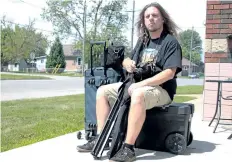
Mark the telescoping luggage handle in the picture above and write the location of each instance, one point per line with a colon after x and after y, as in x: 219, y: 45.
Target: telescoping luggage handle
x: 92, y: 43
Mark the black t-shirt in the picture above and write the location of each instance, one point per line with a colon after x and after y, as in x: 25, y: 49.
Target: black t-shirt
x: 166, y: 53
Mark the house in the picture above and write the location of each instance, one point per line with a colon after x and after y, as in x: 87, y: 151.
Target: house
x: 21, y: 65
x: 218, y: 62
x: 41, y: 63
x: 73, y: 58
x: 185, y: 67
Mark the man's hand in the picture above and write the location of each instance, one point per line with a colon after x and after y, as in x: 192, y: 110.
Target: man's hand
x: 129, y: 65
x: 133, y: 87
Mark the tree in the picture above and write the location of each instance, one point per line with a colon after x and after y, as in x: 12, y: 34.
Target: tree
x: 195, y: 55
x: 105, y: 19
x: 6, y: 42
x: 18, y: 42
x: 185, y: 41
x: 56, y: 57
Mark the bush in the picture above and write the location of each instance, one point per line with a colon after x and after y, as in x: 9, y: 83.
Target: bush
x: 56, y: 57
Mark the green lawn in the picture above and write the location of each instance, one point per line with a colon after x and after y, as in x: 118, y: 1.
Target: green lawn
x: 21, y: 77
x: 192, y: 89
x: 70, y: 74
x: 181, y: 99
x: 31, y: 120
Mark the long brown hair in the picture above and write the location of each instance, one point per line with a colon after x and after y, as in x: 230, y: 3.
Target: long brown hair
x: 169, y: 25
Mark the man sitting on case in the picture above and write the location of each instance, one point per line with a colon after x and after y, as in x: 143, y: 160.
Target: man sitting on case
x: 158, y: 32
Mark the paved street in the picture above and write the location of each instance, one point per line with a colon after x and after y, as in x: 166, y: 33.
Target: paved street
x: 59, y: 86
x: 184, y: 82
x: 19, y: 89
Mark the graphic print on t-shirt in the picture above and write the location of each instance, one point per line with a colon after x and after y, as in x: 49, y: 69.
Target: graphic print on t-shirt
x: 149, y: 55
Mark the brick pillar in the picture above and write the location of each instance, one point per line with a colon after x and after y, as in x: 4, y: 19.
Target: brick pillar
x: 218, y: 27
x: 217, y: 62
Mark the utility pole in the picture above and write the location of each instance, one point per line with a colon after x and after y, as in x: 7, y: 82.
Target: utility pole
x: 133, y: 19
x: 84, y: 33
x: 190, y: 54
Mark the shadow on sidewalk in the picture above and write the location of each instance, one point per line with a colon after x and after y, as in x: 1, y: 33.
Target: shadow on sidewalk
x: 197, y: 147
x: 200, y: 147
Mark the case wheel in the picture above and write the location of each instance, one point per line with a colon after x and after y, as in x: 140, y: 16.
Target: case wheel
x: 79, y: 135
x: 190, y: 140
x: 175, y: 143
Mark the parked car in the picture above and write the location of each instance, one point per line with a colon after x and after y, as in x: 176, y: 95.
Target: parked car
x: 194, y: 75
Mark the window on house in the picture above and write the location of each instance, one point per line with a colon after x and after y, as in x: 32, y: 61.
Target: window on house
x: 79, y: 61
x: 42, y: 61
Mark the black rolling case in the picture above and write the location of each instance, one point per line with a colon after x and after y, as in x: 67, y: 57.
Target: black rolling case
x: 94, y: 78
x: 167, y: 128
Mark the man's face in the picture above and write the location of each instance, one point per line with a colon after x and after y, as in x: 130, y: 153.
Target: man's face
x: 153, y: 19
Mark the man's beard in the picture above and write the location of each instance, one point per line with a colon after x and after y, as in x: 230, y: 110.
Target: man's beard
x: 153, y: 29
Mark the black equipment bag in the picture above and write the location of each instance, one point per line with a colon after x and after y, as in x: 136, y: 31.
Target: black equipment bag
x: 94, y: 78
x: 114, y: 55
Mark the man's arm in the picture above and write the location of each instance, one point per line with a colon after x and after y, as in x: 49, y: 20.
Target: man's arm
x: 159, y: 78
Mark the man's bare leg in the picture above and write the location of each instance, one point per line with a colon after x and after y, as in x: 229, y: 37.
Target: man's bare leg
x: 102, y: 109
x: 102, y: 112
x: 136, y: 116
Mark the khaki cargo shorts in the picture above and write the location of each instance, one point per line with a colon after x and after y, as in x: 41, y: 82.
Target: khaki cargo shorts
x: 154, y: 96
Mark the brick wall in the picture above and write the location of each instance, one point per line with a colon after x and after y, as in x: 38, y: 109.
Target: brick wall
x: 217, y: 62
x: 218, y: 27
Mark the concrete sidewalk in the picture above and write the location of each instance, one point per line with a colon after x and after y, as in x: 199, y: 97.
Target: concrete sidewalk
x: 206, y: 146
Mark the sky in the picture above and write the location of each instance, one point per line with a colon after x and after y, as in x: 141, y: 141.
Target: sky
x: 186, y: 13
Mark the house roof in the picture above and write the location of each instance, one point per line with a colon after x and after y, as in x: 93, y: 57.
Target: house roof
x: 71, y: 50
x: 186, y: 62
